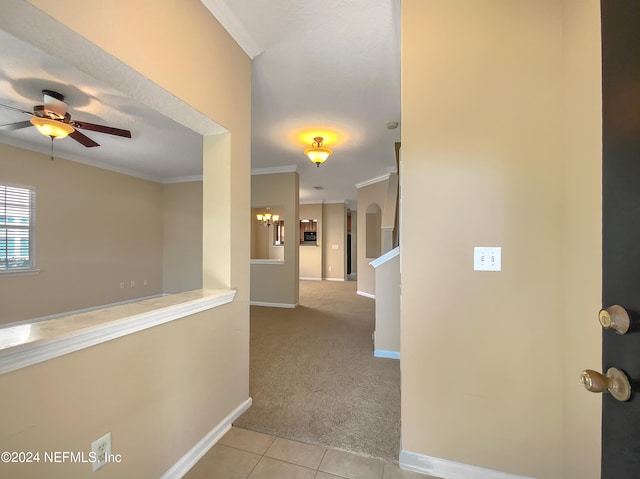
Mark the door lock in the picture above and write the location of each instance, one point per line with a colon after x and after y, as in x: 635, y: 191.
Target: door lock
x: 615, y: 382
x: 615, y: 318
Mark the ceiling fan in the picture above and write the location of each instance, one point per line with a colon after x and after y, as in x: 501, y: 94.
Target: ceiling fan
x: 52, y: 119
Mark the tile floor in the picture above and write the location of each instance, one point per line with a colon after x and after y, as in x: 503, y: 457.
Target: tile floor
x: 244, y: 454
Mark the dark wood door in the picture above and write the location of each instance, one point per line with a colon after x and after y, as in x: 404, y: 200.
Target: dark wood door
x: 621, y: 228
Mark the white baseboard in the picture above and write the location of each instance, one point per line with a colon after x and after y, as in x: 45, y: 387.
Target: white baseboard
x: 366, y: 295
x: 272, y: 305
x: 381, y: 353
x: 186, y: 462
x: 305, y: 278
x: 412, y: 461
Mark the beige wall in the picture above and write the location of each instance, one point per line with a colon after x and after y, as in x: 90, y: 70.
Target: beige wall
x: 387, y: 333
x: 182, y: 238
x: 277, y: 283
x: 334, y: 233
x: 374, y: 194
x: 157, y: 391
x: 492, y: 157
x: 311, y: 257
x: 95, y: 229
x: 582, y: 245
x: 161, y: 390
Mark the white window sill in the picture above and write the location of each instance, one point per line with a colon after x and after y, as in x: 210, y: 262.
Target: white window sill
x: 18, y: 272
x: 31, y: 343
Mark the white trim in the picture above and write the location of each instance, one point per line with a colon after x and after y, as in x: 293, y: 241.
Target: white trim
x: 310, y: 279
x: 182, y: 179
x: 366, y: 295
x: 272, y: 305
x: 381, y: 353
x: 233, y: 26
x: 380, y: 260
x: 13, y: 358
x: 333, y: 279
x: 19, y: 272
x: 412, y: 461
x: 373, y: 181
x: 193, y: 455
x: 273, y: 170
x: 267, y: 261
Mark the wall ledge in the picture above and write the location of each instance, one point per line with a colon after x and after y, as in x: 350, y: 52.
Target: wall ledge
x: 366, y: 295
x: 389, y: 255
x: 267, y: 261
x: 273, y: 305
x: 412, y: 461
x: 28, y: 344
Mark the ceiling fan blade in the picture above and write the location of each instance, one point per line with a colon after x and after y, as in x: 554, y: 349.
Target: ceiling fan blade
x: 102, y: 129
x: 17, y: 109
x: 83, y: 139
x: 15, y: 126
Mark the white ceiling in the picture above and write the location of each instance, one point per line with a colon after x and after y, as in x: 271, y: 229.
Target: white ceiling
x: 330, y: 66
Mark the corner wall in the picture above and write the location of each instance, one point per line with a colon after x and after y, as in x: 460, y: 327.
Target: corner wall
x: 334, y: 237
x: 278, y: 284
x: 375, y: 193
x: 182, y: 237
x: 492, y: 157
x: 161, y: 402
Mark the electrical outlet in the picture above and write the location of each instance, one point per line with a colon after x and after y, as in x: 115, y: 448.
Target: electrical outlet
x: 121, y: 284
x: 132, y: 284
x: 145, y: 282
x: 102, y: 450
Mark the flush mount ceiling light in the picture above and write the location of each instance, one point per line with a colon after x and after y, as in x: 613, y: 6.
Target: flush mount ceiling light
x: 51, y: 128
x: 317, y: 153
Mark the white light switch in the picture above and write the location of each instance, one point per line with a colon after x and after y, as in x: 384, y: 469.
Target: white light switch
x: 487, y: 258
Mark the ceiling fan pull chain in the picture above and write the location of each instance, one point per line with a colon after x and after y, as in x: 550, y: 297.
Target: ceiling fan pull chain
x: 51, y: 148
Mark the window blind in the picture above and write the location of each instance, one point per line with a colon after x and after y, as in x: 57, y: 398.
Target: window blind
x: 16, y: 227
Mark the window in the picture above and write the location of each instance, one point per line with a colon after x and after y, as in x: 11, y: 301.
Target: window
x: 16, y: 228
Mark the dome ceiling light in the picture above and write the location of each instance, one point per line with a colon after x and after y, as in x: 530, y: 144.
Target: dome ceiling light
x: 317, y: 153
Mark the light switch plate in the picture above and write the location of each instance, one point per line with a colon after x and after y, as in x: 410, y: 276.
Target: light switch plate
x: 487, y: 258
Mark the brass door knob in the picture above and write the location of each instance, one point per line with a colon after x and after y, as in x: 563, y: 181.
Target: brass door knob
x: 615, y: 318
x: 615, y: 382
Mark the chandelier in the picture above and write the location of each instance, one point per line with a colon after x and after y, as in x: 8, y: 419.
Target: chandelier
x: 267, y: 218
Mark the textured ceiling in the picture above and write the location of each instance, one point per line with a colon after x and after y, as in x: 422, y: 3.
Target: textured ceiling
x: 330, y: 66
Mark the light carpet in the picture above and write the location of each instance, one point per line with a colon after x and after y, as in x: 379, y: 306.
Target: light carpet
x: 313, y: 376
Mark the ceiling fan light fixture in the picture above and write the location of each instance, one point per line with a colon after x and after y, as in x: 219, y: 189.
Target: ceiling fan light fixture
x: 52, y: 128
x: 317, y: 153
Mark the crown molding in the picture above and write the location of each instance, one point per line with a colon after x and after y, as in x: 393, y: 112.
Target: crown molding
x: 373, y: 181
x: 182, y: 179
x: 274, y: 170
x: 221, y: 11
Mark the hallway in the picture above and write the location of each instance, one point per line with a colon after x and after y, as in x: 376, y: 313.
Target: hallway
x: 313, y: 376
x: 244, y: 454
